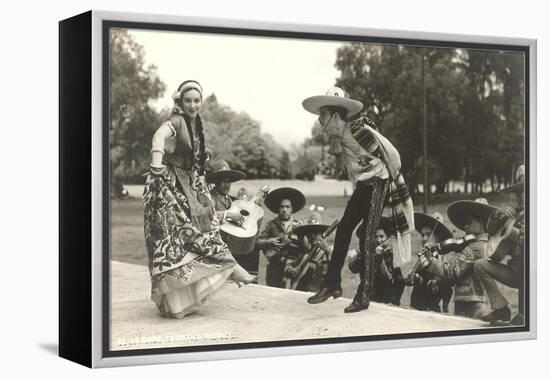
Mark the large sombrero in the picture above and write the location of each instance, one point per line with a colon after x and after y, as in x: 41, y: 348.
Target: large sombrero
x: 219, y: 170
x: 459, y: 210
x: 274, y: 198
x: 334, y: 97
x: 314, y: 225
x: 519, y: 181
x: 433, y: 222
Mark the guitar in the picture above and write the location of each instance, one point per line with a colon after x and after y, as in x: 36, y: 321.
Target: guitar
x: 241, y: 239
x: 503, y: 239
x: 303, y: 264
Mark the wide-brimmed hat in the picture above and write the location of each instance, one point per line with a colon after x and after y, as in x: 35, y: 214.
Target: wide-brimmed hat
x: 519, y: 181
x: 334, y: 97
x: 433, y: 222
x: 274, y: 198
x: 314, y: 225
x: 479, y: 209
x: 219, y: 170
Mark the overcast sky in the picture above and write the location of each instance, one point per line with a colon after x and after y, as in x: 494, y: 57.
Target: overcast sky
x: 266, y: 77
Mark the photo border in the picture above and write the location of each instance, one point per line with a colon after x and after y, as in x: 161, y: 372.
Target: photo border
x: 101, y: 24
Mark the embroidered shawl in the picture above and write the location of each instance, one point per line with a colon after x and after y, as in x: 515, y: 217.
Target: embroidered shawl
x: 399, y: 200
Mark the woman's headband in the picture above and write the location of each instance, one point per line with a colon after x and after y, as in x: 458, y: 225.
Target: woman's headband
x: 184, y: 87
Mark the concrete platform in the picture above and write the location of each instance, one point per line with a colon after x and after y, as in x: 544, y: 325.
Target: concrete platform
x: 251, y: 314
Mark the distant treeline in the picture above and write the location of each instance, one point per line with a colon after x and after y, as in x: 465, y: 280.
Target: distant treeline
x: 235, y: 137
x: 474, y: 101
x: 474, y: 104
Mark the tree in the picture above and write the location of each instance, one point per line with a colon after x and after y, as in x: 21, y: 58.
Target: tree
x: 317, y: 147
x: 305, y: 167
x: 132, y: 120
x: 474, y: 108
x: 238, y: 139
x: 285, y: 166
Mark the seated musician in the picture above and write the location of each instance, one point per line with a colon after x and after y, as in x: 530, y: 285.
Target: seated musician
x: 221, y: 176
x: 308, y: 272
x: 275, y: 239
x: 456, y: 268
x: 512, y: 273
x: 425, y: 296
x: 388, y: 280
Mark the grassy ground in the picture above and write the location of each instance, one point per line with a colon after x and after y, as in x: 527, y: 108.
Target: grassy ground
x: 128, y: 244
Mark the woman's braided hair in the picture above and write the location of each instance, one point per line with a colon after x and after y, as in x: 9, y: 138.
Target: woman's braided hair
x: 199, y: 126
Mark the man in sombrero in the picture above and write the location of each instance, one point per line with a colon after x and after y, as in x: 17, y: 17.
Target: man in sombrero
x: 221, y: 176
x: 425, y: 297
x: 456, y: 268
x: 310, y: 236
x: 374, y: 167
x: 388, y: 280
x: 275, y: 239
x: 512, y: 273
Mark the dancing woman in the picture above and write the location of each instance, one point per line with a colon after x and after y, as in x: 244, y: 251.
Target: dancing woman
x: 188, y: 261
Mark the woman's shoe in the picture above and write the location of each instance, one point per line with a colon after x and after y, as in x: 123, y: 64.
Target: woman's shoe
x: 245, y: 281
x: 323, y: 295
x: 241, y: 277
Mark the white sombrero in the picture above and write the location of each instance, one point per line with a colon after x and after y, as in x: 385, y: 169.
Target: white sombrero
x: 334, y: 97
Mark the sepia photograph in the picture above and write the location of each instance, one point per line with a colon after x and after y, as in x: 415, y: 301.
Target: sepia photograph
x: 282, y: 189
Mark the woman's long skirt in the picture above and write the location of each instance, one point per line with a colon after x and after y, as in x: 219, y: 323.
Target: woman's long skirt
x: 186, y: 265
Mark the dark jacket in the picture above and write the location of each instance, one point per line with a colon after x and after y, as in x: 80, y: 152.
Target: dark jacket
x: 221, y: 202
x: 456, y: 268
x: 274, y: 229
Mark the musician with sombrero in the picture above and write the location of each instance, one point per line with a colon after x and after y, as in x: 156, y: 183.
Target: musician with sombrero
x: 425, y: 297
x: 506, y: 228
x: 374, y: 167
x: 388, y: 280
x: 221, y: 176
x: 308, y: 271
x: 275, y: 239
x: 456, y: 268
